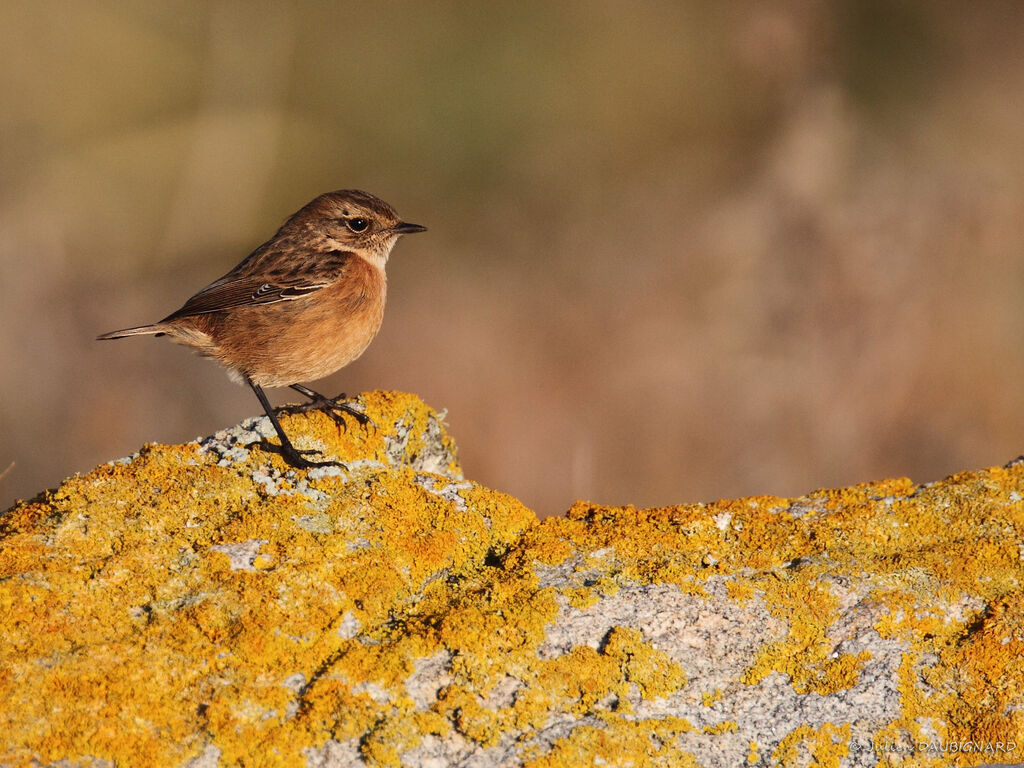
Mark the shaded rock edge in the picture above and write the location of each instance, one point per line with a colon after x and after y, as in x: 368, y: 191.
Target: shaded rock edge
x: 206, y: 605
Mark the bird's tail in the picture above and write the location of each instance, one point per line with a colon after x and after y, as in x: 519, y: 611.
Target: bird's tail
x: 142, y: 330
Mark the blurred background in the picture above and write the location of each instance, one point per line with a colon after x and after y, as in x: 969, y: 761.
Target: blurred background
x: 678, y: 250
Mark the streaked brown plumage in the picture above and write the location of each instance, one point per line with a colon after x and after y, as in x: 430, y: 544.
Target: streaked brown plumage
x: 304, y: 304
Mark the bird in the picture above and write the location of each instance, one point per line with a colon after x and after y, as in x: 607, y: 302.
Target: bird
x: 301, y: 306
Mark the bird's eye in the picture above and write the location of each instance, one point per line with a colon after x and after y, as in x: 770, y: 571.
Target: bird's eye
x: 357, y: 224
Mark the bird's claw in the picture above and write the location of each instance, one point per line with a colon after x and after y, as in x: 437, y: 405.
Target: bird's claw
x: 331, y: 406
x: 297, y: 458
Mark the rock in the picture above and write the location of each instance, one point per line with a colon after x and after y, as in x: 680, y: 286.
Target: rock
x: 205, y: 605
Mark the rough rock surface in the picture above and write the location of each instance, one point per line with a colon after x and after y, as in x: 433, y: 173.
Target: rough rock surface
x: 205, y: 605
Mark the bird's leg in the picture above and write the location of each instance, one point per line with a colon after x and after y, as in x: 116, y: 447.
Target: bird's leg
x: 288, y: 451
x: 329, y: 405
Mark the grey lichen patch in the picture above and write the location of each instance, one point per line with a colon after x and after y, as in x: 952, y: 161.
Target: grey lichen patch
x: 349, y: 626
x: 232, y: 444
x: 241, y: 555
x: 430, y: 675
x: 424, y: 451
x: 714, y: 638
x: 442, y: 486
x: 334, y: 754
x: 319, y: 522
x: 208, y: 758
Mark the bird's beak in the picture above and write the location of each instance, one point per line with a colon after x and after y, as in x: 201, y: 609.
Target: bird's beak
x: 404, y: 228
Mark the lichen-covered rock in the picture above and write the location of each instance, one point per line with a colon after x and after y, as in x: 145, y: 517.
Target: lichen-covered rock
x: 205, y: 605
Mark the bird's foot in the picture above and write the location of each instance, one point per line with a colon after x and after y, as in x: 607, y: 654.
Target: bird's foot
x: 332, y: 406
x: 297, y: 458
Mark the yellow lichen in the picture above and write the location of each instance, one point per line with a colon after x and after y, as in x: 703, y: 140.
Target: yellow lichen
x: 740, y: 591
x: 621, y: 743
x: 651, y: 669
x: 726, y: 726
x: 583, y: 597
x: 824, y: 746
x: 136, y: 630
x: 96, y: 571
x: 709, y: 698
x: 753, y: 753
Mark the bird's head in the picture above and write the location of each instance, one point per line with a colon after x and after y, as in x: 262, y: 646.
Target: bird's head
x: 352, y: 220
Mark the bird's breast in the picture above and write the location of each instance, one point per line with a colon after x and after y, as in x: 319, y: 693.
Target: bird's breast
x: 306, y: 338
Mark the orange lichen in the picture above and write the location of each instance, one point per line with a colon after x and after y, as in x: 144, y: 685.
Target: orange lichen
x: 624, y: 743
x: 753, y: 754
x: 726, y: 726
x: 709, y: 698
x: 652, y: 670
x: 153, y: 607
x: 989, y: 655
x: 823, y: 747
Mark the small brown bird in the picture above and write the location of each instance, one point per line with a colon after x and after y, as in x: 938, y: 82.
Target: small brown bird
x: 304, y: 304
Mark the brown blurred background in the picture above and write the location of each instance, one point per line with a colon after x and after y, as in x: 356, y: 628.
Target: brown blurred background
x: 677, y: 251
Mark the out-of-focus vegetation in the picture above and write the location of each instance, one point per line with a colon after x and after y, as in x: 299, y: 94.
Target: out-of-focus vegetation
x: 677, y: 250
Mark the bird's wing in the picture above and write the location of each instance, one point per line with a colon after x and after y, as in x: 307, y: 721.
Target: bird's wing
x: 241, y: 288
x: 242, y: 292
